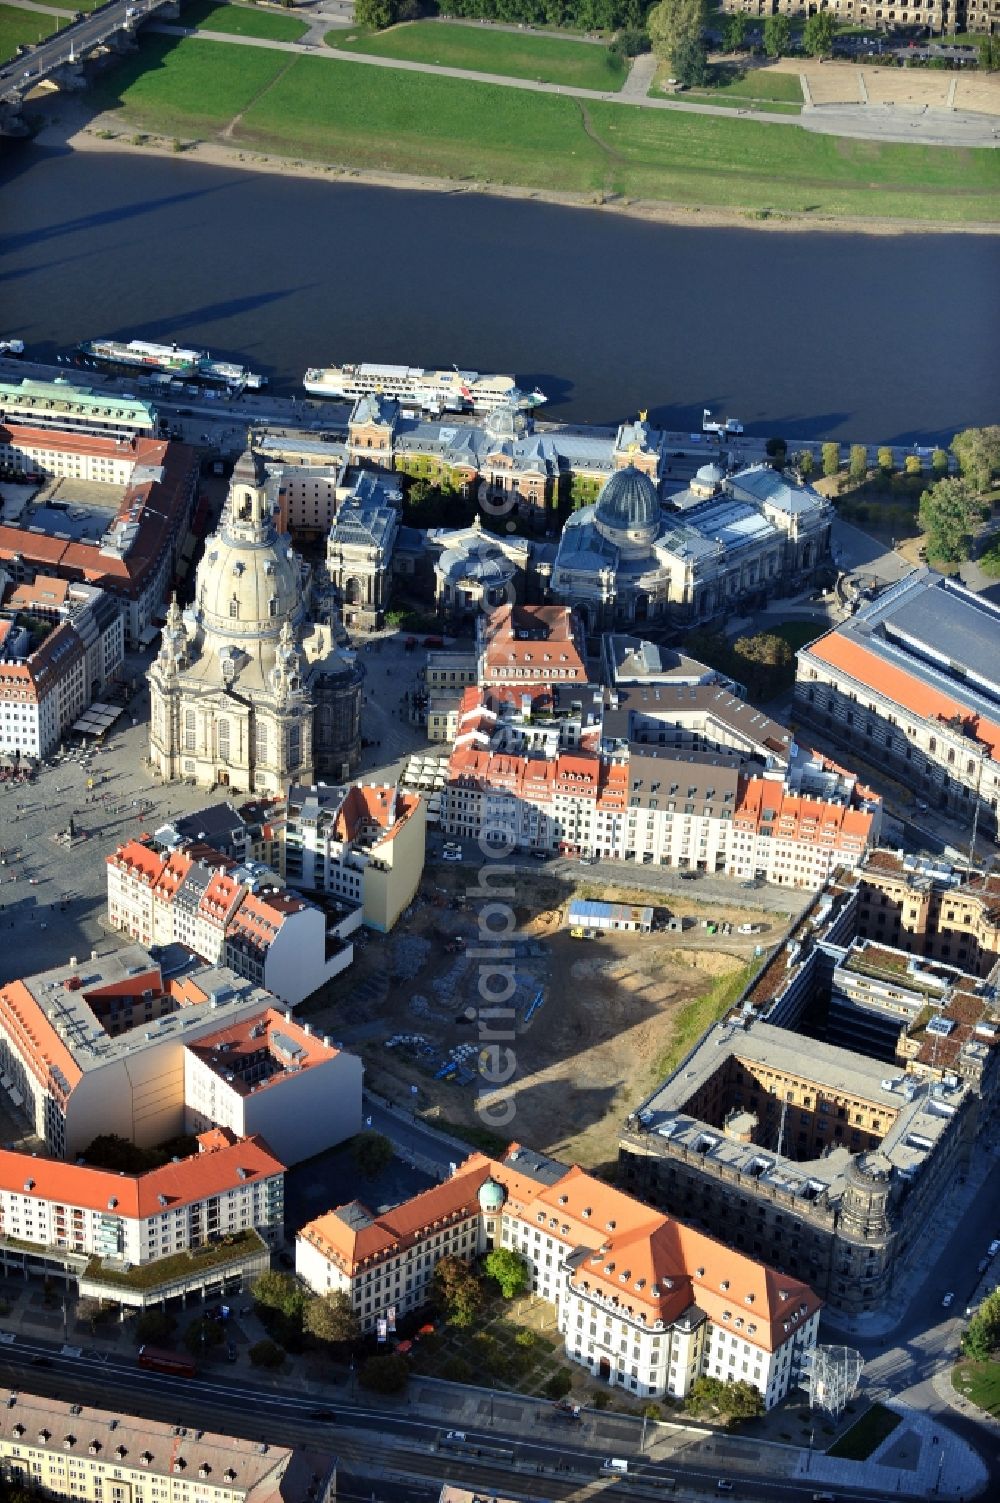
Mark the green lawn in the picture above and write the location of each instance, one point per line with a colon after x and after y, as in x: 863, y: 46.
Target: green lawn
x: 796, y: 633
x: 187, y: 87
x: 242, y: 21
x: 700, y: 1014
x: 355, y: 116
x: 576, y: 64
x: 19, y: 26
x: 732, y: 85
x: 980, y: 1382
x: 864, y: 1437
x: 74, y: 5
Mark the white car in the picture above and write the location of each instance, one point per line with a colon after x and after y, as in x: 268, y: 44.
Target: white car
x: 994, y: 1247
x: 948, y: 1300
x: 451, y: 855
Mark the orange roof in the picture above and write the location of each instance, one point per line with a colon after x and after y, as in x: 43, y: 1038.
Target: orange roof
x: 205, y: 1174
x: 895, y: 683
x: 791, y: 816
x: 37, y: 1042
x: 650, y: 1265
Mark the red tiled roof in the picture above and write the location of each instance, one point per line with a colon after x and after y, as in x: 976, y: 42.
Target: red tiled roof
x: 140, y: 1195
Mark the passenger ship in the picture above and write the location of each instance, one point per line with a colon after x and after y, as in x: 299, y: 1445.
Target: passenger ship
x: 170, y: 360
x: 433, y: 391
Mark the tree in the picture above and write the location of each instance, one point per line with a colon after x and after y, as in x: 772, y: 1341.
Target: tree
x: 831, y: 460
x: 741, y: 1400
x: 154, y: 1326
x: 948, y: 512
x: 690, y: 63
x: 777, y: 35
x: 386, y: 1374
x: 509, y: 1270
x: 886, y: 463
x: 377, y: 14
x: 857, y: 464
x: 804, y: 463
x: 331, y: 1317
x: 458, y: 1289
x: 818, y: 33
x: 372, y: 1152
x: 203, y: 1334
x: 978, y: 453
x: 559, y: 1385
x: 939, y: 461
x: 776, y: 450
x: 734, y: 32
x: 280, y: 1291
x: 266, y: 1354
x: 982, y: 1335
x: 672, y: 22
x: 912, y: 465
x: 988, y: 48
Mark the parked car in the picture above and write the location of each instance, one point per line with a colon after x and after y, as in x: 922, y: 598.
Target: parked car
x: 451, y: 855
x: 994, y: 1247
x: 948, y: 1300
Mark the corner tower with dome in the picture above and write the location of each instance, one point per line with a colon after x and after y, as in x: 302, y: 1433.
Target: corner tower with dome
x: 246, y: 692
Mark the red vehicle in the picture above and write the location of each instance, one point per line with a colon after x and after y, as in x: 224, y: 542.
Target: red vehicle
x: 434, y: 641
x: 158, y: 1360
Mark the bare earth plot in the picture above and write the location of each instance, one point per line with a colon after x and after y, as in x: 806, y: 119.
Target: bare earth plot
x: 610, y: 1011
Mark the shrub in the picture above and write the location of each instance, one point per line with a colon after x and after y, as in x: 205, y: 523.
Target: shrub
x: 266, y: 1354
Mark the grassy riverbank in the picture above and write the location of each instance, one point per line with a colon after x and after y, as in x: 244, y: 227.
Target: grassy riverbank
x: 242, y: 21
x: 549, y: 59
x: 375, y: 119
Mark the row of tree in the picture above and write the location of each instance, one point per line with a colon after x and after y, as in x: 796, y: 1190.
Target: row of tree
x: 581, y: 15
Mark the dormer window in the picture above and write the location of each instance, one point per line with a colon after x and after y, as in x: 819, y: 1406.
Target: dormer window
x: 724, y: 1285
x: 748, y: 1299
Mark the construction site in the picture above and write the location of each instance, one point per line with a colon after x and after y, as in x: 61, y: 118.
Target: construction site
x: 591, y: 1016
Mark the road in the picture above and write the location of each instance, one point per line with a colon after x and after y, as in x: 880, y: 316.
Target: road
x: 374, y: 1440
x: 72, y: 43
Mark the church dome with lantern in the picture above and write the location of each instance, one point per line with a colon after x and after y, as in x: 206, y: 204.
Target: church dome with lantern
x: 246, y: 691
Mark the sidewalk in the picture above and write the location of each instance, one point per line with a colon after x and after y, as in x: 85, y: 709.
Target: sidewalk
x: 918, y: 1457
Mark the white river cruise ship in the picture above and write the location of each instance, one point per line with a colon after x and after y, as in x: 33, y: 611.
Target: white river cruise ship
x: 433, y: 391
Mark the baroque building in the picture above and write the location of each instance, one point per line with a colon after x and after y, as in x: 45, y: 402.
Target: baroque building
x: 246, y: 691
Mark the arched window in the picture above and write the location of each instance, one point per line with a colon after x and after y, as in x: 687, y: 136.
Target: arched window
x: 189, y: 730
x: 260, y: 740
x: 223, y: 734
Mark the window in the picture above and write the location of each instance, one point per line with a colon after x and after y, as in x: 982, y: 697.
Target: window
x: 234, y: 609
x: 223, y: 732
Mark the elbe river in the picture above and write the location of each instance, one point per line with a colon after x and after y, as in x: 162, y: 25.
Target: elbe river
x: 852, y: 336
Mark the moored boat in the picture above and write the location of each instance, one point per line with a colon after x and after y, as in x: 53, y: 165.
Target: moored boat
x: 434, y: 391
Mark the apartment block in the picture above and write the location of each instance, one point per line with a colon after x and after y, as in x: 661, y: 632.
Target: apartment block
x: 97, y: 1045
x: 75, y: 1451
x: 132, y: 1220
x: 361, y: 843
x: 645, y: 1303
x: 112, y: 511
x: 264, y: 1074
x: 236, y: 914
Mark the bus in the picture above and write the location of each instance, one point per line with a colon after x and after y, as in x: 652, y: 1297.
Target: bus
x: 156, y: 1359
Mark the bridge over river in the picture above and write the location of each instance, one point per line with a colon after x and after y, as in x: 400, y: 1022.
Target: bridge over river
x: 58, y: 61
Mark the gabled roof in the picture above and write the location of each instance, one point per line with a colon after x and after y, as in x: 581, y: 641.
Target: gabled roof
x: 183, y: 1182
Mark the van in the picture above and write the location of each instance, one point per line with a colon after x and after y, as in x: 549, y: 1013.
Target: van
x: 615, y: 1465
